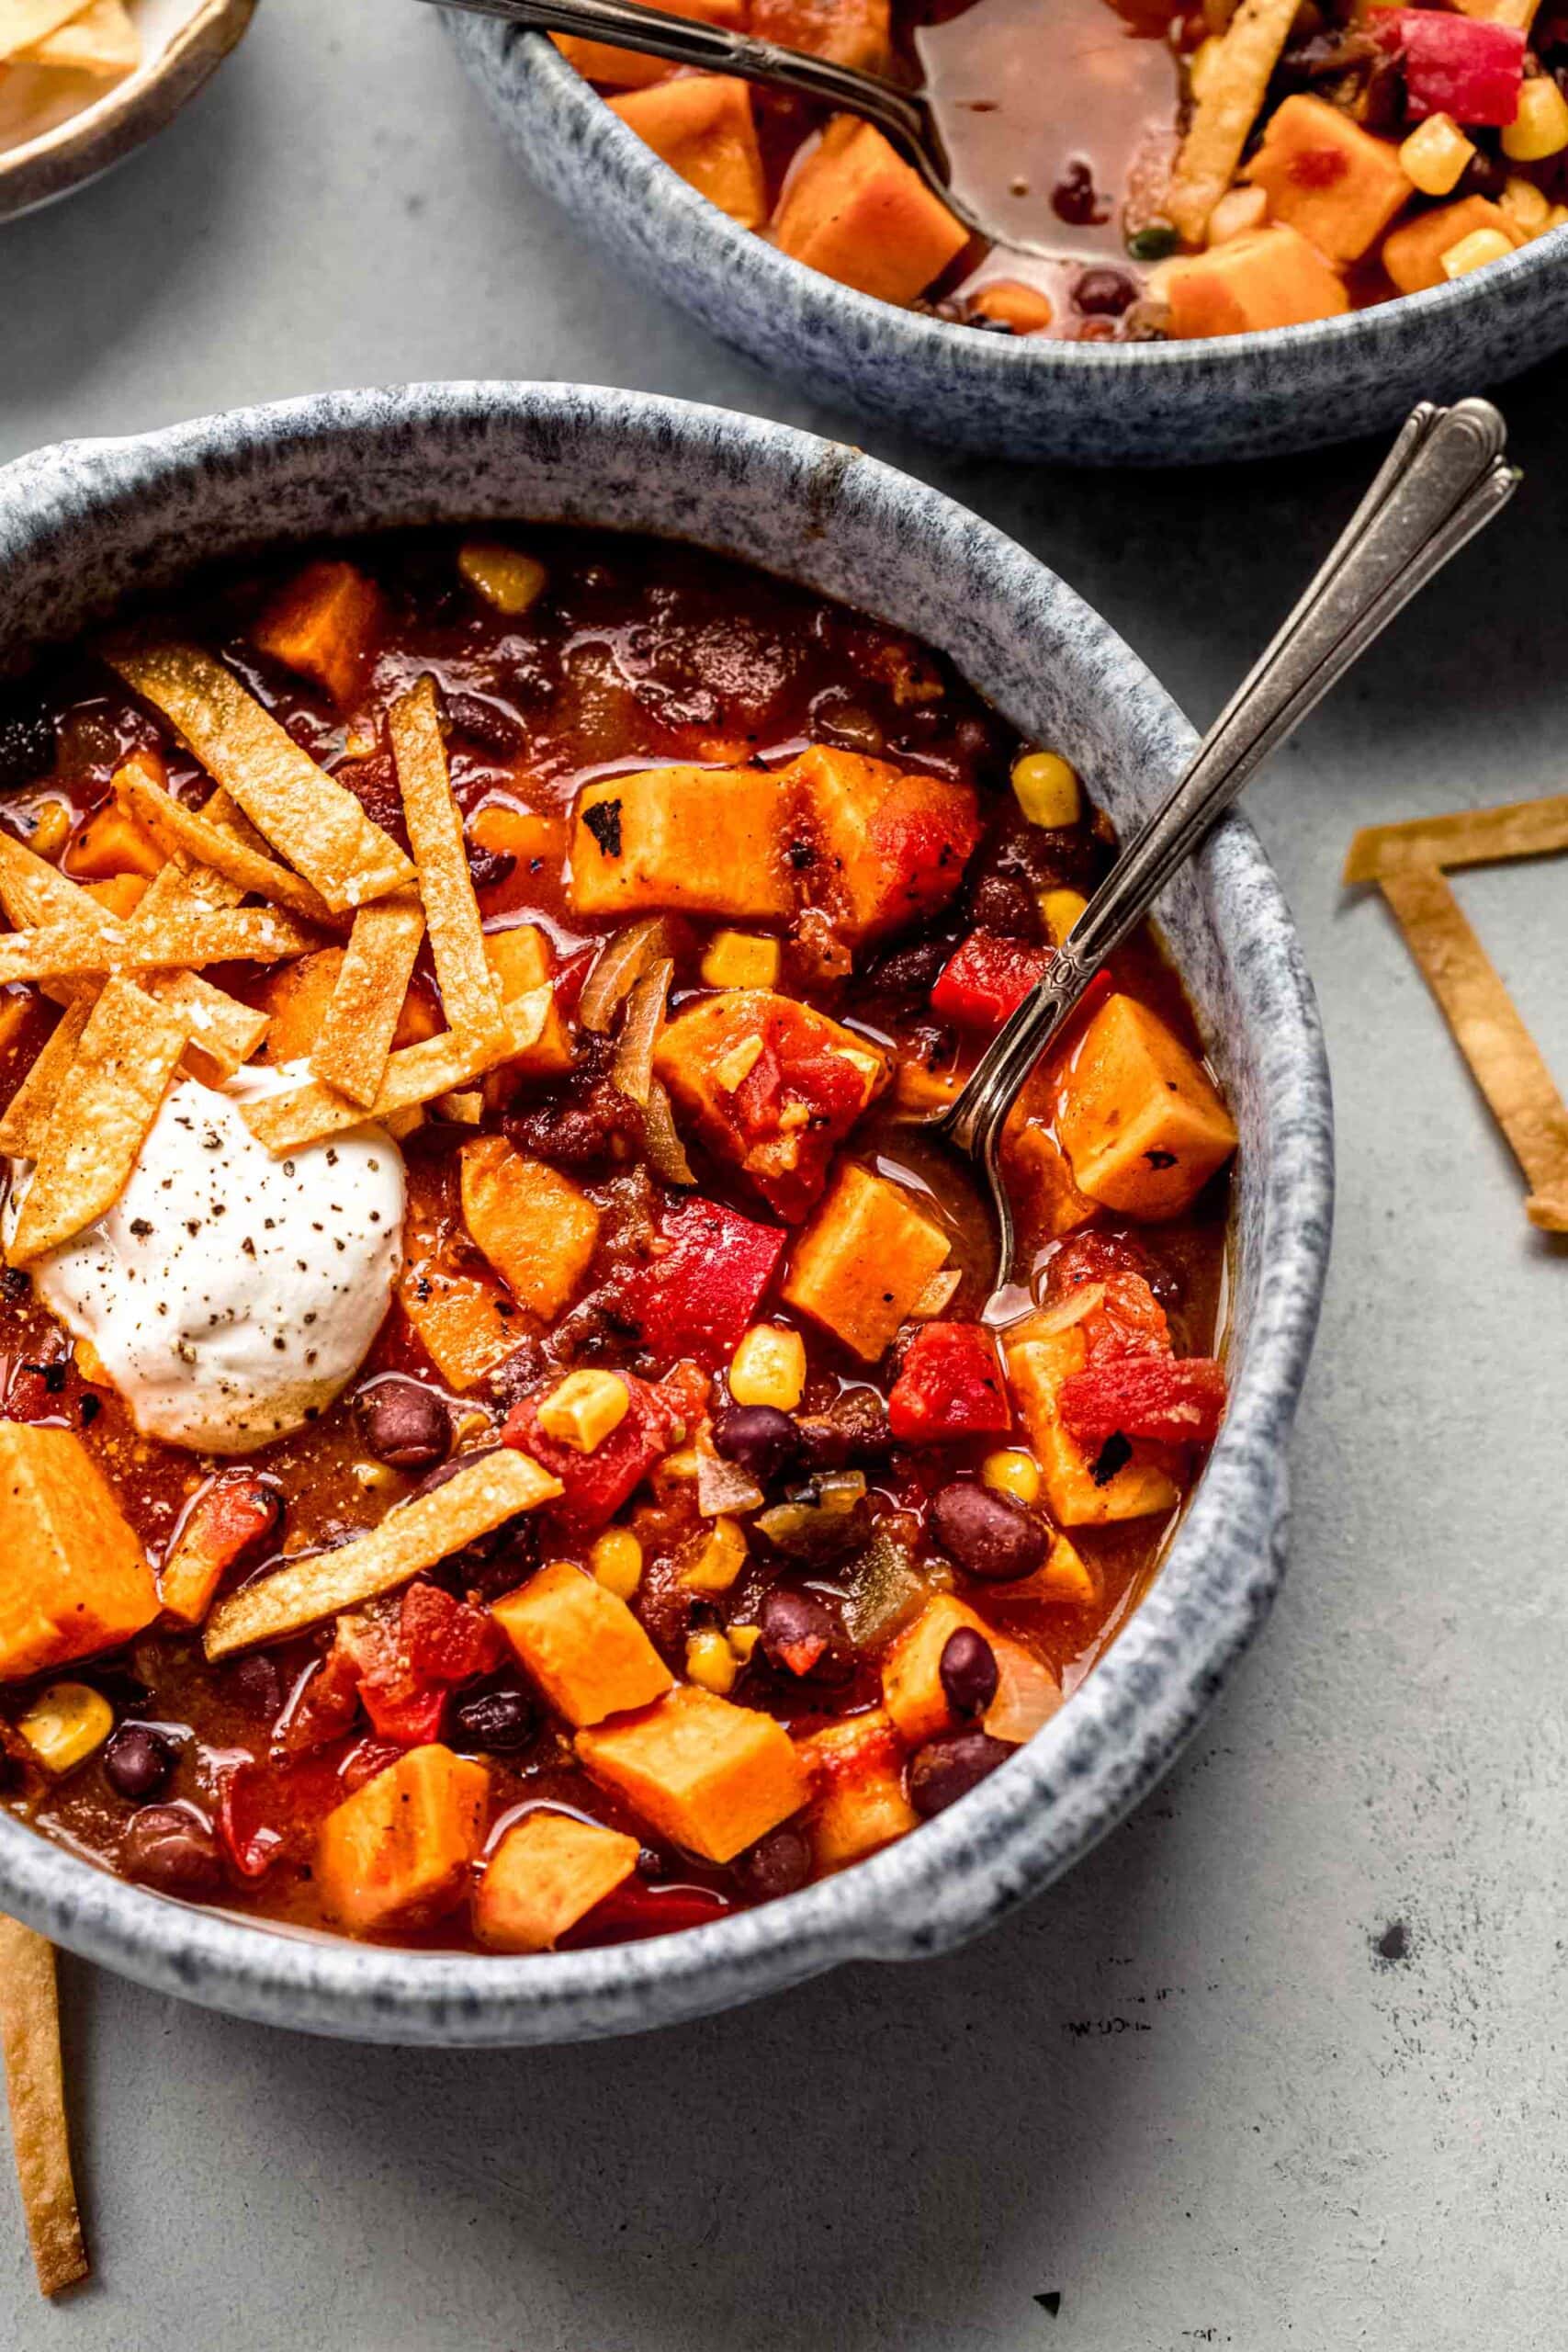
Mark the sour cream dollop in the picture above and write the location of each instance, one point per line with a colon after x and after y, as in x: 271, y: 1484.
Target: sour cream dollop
x: 231, y: 1296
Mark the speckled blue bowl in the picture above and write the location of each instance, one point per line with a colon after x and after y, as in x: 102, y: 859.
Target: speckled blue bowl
x: 87, y: 523
x: 1093, y: 404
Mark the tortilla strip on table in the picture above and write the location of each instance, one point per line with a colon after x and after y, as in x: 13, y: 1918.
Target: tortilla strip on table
x: 108, y: 1101
x: 29, y: 2035
x: 188, y: 833
x: 1503, y: 1056
x: 27, y: 1115
x: 1237, y: 84
x: 479, y: 1497
x: 468, y: 993
x: 355, y: 1040
x: 315, y: 824
x: 1472, y: 837
x: 414, y: 1074
x: 188, y: 937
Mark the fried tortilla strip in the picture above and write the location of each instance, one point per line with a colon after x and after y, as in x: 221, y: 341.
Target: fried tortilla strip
x: 313, y: 823
x: 191, y: 833
x: 109, y: 1098
x: 100, y: 39
x: 187, y: 935
x: 415, y: 1074
x: 482, y: 1496
x: 27, y: 1115
x: 1472, y: 837
x: 1237, y: 87
x: 1504, y: 1059
x: 468, y: 988
x: 25, y: 23
x: 29, y: 2034
x: 356, y: 1041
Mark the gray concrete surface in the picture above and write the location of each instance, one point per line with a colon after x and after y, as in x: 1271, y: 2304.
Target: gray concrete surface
x: 1186, y: 2093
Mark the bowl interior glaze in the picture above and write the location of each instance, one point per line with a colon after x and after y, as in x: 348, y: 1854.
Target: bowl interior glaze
x: 85, y: 525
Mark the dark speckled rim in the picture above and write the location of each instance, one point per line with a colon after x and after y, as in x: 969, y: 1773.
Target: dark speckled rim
x: 1167, y: 404
x: 85, y: 523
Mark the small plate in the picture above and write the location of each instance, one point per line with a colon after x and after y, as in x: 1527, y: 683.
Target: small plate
x: 183, y: 42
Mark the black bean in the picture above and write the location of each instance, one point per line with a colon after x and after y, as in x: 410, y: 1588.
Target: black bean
x: 855, y: 1428
x: 484, y: 722
x: 257, y: 1687
x: 968, y: 1670
x: 488, y: 867
x: 910, y: 971
x: 495, y: 1721
x: 799, y: 1636
x: 945, y: 1770
x: 403, y: 1423
x: 991, y: 1536
x: 26, y: 743
x: 1005, y: 903
x: 138, y: 1762
x: 763, y: 1441
x: 1104, y: 293
x: 173, y: 1850
x: 777, y: 1864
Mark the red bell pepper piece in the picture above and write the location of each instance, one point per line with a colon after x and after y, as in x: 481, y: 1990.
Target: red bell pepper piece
x: 950, y: 1385
x: 1458, y: 66
x: 987, y: 978
x: 1145, y: 1397
x: 595, y: 1484
x: 635, y: 1910
x: 699, y: 1294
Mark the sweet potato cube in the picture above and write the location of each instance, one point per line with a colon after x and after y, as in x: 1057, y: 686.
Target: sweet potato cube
x: 113, y: 842
x: 465, y: 1325
x: 1268, y: 278
x: 863, y: 1260
x: 545, y: 1876
x: 76, y: 1579
x: 581, y: 1645
x: 324, y: 626
x: 705, y: 1774
x: 627, y: 69
x: 852, y: 32
x: 855, y: 211
x: 701, y: 125
x: 1040, y: 1352
x: 397, y: 1853
x: 1413, y: 255
x: 120, y: 893
x: 1328, y: 177
x: 295, y: 998
x: 891, y: 846
x: 521, y: 959
x: 697, y: 841
x: 911, y: 1681
x: 533, y: 1223
x: 857, y: 1789
x: 1137, y: 1116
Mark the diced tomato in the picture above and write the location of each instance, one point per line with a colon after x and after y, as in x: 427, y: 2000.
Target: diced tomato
x: 1145, y: 1397
x: 793, y: 1073
x: 1458, y: 66
x: 595, y: 1484
x: 700, y: 1293
x: 986, y: 980
x: 324, y: 1702
x: 236, y: 1510
x: 271, y: 1810
x: 406, y: 1713
x: 949, y: 1386
x: 443, y: 1640
x: 924, y: 836
x: 635, y: 1909
x: 1088, y: 1257
x: 758, y: 1098
x: 1129, y: 1320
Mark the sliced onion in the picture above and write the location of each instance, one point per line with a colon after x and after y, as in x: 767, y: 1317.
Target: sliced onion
x: 723, y: 1487
x: 666, y: 1153
x: 633, y: 1069
x: 619, y: 968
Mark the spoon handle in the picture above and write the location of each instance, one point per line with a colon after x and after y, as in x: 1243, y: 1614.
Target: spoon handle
x: 1443, y: 480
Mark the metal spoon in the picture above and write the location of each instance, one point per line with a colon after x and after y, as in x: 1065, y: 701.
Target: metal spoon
x: 1442, y: 481
x: 901, y: 112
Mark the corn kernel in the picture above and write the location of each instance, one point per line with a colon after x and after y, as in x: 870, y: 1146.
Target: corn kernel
x: 741, y: 960
x: 769, y: 1368
x: 721, y: 1559
x: 1047, y: 788
x: 65, y: 1724
x: 1010, y: 1471
x: 1474, y: 252
x: 1526, y: 206
x: 1435, y: 155
x: 1060, y: 910
x: 51, y: 829
x: 1239, y: 209
x: 504, y: 576
x: 743, y: 1640
x: 616, y: 1561
x: 711, y: 1662
x: 733, y: 1068
x: 1540, y: 127
x: 584, y: 1409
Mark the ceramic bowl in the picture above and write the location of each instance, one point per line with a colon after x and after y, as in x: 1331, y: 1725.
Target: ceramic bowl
x: 183, y: 42
x: 1153, y: 404
x: 85, y: 523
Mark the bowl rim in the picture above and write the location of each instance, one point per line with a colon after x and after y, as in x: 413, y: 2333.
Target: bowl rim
x: 1093, y: 1762
x: 731, y: 254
